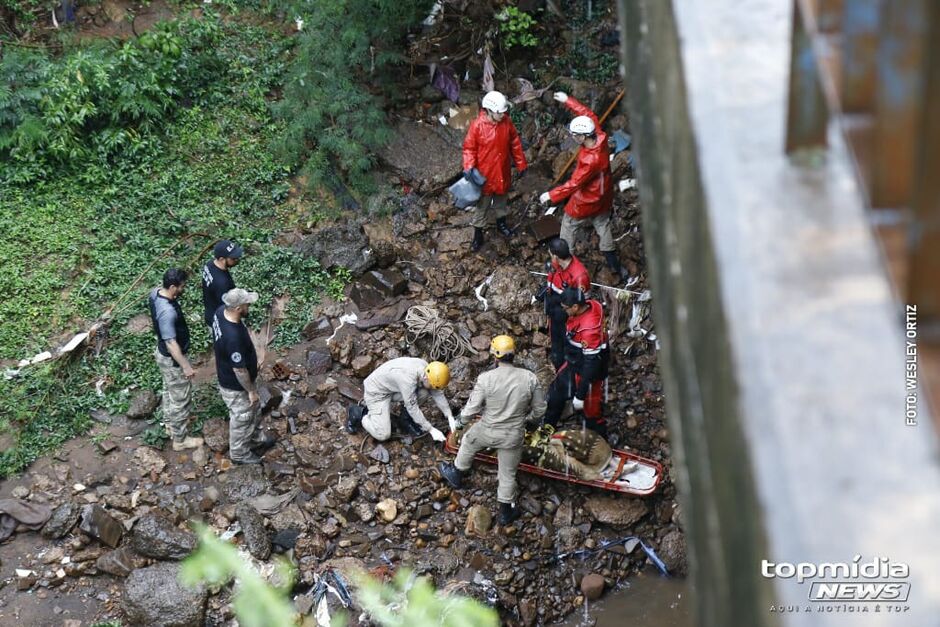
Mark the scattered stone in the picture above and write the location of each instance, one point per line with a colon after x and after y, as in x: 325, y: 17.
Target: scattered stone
x: 528, y: 612
x: 389, y: 281
x: 387, y: 509
x: 20, y: 492
x: 120, y: 563
x: 618, y: 512
x: 200, y: 457
x: 285, y: 539
x: 672, y: 550
x: 257, y: 540
x: 215, y: 434
x: 346, y: 487
x: 243, y: 482
x: 363, y: 365
x: 510, y: 291
x: 100, y: 524
x: 412, y: 473
x: 318, y: 362
x: 592, y: 586
x: 156, y: 537
x: 270, y: 397
x: 340, y: 245
x: 320, y: 327
x: 149, y: 460
x: 479, y: 521
x: 63, y: 518
x: 379, y: 454
x: 155, y: 597
x: 142, y: 405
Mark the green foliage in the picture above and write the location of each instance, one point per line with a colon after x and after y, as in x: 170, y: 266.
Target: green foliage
x: 583, y: 62
x: 257, y: 603
x: 516, y: 28
x: 334, y: 121
x: 72, y: 245
x: 412, y: 602
x: 407, y: 602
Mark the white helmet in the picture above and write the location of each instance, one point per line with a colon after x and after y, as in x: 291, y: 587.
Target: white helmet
x: 495, y: 102
x: 582, y: 125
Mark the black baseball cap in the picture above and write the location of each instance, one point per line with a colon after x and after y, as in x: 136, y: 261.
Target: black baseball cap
x: 228, y: 248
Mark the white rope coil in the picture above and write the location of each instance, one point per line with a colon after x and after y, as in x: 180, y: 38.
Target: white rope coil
x: 446, y: 343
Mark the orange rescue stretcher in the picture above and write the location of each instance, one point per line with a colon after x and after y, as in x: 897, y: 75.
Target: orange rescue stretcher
x: 646, y: 475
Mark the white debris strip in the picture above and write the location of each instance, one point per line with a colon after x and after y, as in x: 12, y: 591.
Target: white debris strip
x: 481, y: 290
x: 350, y: 318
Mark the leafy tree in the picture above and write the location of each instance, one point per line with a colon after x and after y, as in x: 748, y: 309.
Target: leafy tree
x: 346, y: 47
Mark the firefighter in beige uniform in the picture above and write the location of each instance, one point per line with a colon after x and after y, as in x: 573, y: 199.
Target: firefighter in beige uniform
x: 408, y: 380
x: 507, y: 397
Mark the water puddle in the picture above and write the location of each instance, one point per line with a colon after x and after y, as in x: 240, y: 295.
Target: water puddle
x: 648, y: 600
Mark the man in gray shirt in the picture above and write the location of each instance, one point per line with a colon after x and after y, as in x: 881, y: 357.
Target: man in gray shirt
x: 172, y: 332
x: 507, y: 397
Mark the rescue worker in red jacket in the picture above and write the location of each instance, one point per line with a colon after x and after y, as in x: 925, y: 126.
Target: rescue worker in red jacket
x: 564, y: 270
x: 590, y: 190
x: 582, y: 376
x: 492, y: 141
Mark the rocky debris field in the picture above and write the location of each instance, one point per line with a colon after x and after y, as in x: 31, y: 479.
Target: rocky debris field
x: 337, y: 503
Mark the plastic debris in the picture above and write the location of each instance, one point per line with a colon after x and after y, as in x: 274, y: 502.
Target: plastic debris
x: 622, y: 141
x: 444, y: 79
x: 467, y: 192
x: 626, y: 184
x: 481, y: 290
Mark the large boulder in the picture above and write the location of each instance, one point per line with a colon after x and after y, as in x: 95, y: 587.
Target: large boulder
x: 154, y: 597
x: 63, y: 518
x: 426, y: 154
x: 257, y: 540
x: 340, y: 245
x: 672, y: 550
x: 142, y: 405
x: 243, y: 482
x: 510, y: 291
x: 618, y: 512
x: 157, y: 537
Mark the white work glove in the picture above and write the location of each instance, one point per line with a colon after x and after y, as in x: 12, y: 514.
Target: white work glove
x: 452, y: 423
x: 437, y: 435
x: 561, y: 97
x: 577, y: 404
x: 545, y: 198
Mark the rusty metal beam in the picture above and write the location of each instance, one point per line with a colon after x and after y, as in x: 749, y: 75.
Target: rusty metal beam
x: 807, y: 111
x: 924, y: 235
x: 898, y: 101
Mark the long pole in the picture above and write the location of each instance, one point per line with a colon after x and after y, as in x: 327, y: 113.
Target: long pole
x: 575, y: 155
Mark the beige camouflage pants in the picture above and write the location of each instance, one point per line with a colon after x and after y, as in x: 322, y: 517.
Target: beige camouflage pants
x: 244, y: 420
x: 177, y: 396
x: 508, y: 453
x: 572, y: 228
x: 487, y: 207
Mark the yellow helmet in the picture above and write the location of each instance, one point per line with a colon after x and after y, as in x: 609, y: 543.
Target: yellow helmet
x: 502, y: 345
x: 438, y: 374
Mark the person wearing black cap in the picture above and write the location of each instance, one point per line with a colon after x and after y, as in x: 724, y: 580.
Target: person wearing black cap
x: 216, y: 276
x: 587, y: 359
x: 236, y: 364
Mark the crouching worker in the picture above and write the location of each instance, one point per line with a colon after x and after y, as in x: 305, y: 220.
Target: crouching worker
x: 581, y: 378
x: 408, y: 380
x: 507, y: 397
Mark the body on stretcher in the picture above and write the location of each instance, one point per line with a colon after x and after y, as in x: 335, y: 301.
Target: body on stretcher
x: 585, y: 461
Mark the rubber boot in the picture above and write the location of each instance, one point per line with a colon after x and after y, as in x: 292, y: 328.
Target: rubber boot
x: 354, y: 414
x: 406, y: 424
x: 263, y: 443
x: 477, y: 242
x: 503, y: 228
x: 508, y: 513
x: 614, y: 264
x: 251, y: 458
x: 452, y: 475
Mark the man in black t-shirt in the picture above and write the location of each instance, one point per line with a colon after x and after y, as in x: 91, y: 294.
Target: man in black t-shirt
x: 216, y: 276
x: 172, y: 332
x: 236, y: 364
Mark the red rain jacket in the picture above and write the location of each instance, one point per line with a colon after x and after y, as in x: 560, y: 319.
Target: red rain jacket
x: 590, y: 188
x: 487, y: 148
x: 575, y: 275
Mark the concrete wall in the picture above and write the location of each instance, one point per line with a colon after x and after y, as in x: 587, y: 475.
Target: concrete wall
x: 782, y: 351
